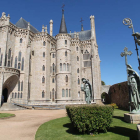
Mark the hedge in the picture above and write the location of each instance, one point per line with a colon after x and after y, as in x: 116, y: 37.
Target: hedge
x: 90, y: 118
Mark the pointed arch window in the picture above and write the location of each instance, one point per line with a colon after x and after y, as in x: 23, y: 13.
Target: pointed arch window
x: 60, y: 66
x: 21, y: 95
x: 43, y: 79
x: 19, y: 56
x: 15, y: 94
x: 43, y: 68
x: 18, y: 94
x: 53, y: 67
x: 65, y: 53
x: 53, y: 55
x: 78, y: 70
x: 63, y: 93
x: 9, y: 63
x: 64, y: 67
x: 18, y: 65
x: 65, y: 42
x: 22, y: 86
x: 52, y: 80
x: 43, y: 54
x: 21, y: 40
x: 18, y: 85
x: 43, y: 94
x: 22, y: 67
x: 66, y: 78
x: 77, y: 58
x: 78, y: 81
x: 66, y: 92
x: 44, y: 43
x: 79, y: 94
x: 16, y: 62
x: 67, y: 66
x: 9, y: 54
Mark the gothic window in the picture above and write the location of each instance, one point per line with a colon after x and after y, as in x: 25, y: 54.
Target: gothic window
x: 44, y: 43
x: 43, y: 54
x: 22, y: 67
x: 18, y: 85
x: 60, y: 66
x: 43, y: 94
x: 65, y: 53
x: 64, y: 67
x: 53, y: 55
x: 19, y: 56
x: 1, y: 59
x: 53, y: 68
x: 78, y: 81
x: 66, y: 92
x: 76, y: 48
x: 79, y: 94
x: 18, y: 94
x: 22, y: 86
x: 16, y: 62
x: 66, y: 78
x: 86, y: 51
x: 43, y: 68
x: 43, y: 79
x: 78, y: 70
x: 21, y: 40
x: 9, y: 54
x: 12, y: 95
x: 11, y: 61
x: 77, y: 58
x: 50, y: 95
x: 69, y: 93
x: 67, y: 67
x: 18, y: 65
x: 21, y: 95
x: 63, y: 93
x: 15, y: 95
x: 65, y: 42
x: 52, y: 80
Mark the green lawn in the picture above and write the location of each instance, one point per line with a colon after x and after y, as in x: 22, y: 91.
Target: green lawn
x: 61, y: 129
x: 5, y: 115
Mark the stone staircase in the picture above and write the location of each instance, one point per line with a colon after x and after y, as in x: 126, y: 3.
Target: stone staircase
x: 10, y: 107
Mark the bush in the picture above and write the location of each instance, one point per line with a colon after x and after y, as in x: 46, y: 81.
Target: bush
x: 90, y: 118
x: 113, y: 105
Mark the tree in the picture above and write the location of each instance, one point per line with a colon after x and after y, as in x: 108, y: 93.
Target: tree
x: 102, y: 82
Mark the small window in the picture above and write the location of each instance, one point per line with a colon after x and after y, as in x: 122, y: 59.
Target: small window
x: 18, y: 85
x: 22, y: 67
x: 22, y: 86
x: 9, y: 63
x: 19, y: 56
x: 44, y: 43
x: 53, y: 55
x: 18, y: 65
x: 43, y: 79
x: 60, y: 66
x: 43, y: 54
x: 16, y: 62
x: 76, y: 48
x: 52, y: 80
x: 18, y: 94
x: 21, y: 95
x: 43, y: 68
x: 67, y: 67
x: 66, y: 92
x: 77, y: 58
x: 43, y: 94
x: 21, y: 40
x: 65, y: 42
x: 78, y: 70
x: 15, y: 95
x: 64, y: 67
x: 66, y: 78
x: 63, y: 93
x: 78, y: 81
x: 79, y: 94
x: 9, y: 54
x: 65, y: 53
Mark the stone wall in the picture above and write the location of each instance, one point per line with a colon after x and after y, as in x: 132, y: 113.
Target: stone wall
x: 119, y: 94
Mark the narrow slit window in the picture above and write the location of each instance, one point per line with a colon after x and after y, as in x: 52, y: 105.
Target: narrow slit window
x: 60, y: 66
x: 21, y: 40
x: 43, y: 94
x: 43, y: 54
x: 78, y: 81
x: 66, y: 92
x: 22, y: 68
x: 63, y: 93
x: 44, y: 43
x: 16, y: 62
x: 66, y: 78
x: 43, y: 79
x: 65, y: 53
x: 43, y: 68
x: 19, y: 56
x: 64, y: 67
x: 65, y: 42
x: 67, y: 66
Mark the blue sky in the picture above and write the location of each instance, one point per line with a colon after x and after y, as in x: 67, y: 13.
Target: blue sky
x: 112, y: 36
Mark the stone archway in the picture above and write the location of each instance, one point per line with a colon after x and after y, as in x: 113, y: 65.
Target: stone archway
x: 5, y: 95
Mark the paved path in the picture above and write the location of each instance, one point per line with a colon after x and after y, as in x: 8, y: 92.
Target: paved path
x: 26, y: 123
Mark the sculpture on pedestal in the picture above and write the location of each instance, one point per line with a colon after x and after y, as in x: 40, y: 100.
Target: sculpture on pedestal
x: 87, y: 89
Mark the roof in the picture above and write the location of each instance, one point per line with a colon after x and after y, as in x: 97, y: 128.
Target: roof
x: 63, y: 28
x: 22, y: 23
x: 83, y: 35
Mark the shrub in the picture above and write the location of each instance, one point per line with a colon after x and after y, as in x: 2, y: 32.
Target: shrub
x: 90, y: 118
x: 113, y: 105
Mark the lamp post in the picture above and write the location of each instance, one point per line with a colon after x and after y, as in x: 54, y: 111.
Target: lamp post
x: 128, y: 22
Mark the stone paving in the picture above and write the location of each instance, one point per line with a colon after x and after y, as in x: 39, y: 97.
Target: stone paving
x: 26, y: 123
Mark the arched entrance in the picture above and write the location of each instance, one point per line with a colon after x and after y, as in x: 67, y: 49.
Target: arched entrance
x: 5, y: 95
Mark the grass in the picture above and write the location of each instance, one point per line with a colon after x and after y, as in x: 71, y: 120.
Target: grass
x: 6, y: 115
x: 61, y: 129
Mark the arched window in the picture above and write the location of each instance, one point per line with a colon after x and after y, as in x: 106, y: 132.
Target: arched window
x: 43, y: 94
x: 77, y: 58
x: 60, y: 66
x: 43, y: 68
x: 78, y: 70
x: 22, y: 86
x: 18, y: 65
x: 78, y: 81
x: 18, y: 94
x: 43, y: 54
x: 21, y: 95
x: 76, y: 48
x: 44, y: 43
x: 22, y: 67
x: 52, y: 80
x: 9, y: 63
x: 69, y: 93
x: 18, y: 85
x: 9, y: 54
x: 65, y: 42
x: 21, y: 40
x: 65, y: 53
x: 43, y: 79
x: 63, y: 93
x: 66, y: 78
x: 15, y: 94
x: 67, y: 66
x: 53, y: 55
x: 66, y: 92
x: 53, y: 68
x: 12, y: 95
x: 64, y: 67
x: 16, y: 62
x: 78, y: 93
x: 19, y: 56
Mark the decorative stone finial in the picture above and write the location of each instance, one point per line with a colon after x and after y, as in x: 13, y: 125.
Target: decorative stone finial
x: 45, y: 29
x: 51, y: 21
x: 42, y: 28
x: 28, y: 25
x: 92, y: 17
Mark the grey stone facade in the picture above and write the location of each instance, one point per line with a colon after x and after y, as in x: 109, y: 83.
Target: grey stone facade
x: 36, y: 67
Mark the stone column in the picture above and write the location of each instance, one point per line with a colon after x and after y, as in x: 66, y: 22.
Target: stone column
x: 51, y: 27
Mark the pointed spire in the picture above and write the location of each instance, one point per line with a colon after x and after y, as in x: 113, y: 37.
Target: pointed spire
x: 63, y: 28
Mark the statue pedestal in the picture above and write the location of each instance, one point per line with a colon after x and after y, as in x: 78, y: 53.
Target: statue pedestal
x: 132, y: 118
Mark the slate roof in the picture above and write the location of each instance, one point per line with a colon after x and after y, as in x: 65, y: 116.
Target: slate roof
x: 22, y: 23
x: 83, y: 35
x: 63, y: 28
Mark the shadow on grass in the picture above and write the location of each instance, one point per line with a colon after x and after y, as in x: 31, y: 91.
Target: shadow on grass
x: 132, y: 134
x: 127, y: 132
x: 120, y: 118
